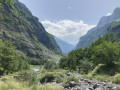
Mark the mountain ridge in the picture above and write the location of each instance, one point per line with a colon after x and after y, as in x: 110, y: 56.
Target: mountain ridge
x: 100, y: 29
x: 25, y: 31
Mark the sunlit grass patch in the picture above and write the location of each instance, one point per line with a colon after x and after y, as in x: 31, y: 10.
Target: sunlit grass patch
x: 8, y: 83
x: 116, y: 78
x: 48, y: 87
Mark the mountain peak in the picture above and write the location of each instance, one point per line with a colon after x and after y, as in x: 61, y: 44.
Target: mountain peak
x: 106, y: 19
x: 100, y: 29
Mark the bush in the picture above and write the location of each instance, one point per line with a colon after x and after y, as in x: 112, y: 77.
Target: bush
x: 103, y: 69
x: 10, y: 60
x: 50, y: 65
x: 106, y: 53
x: 28, y: 76
x: 85, y: 66
x: 58, y: 79
x: 35, y: 61
x: 116, y: 79
x: 73, y: 78
x: 5, y: 78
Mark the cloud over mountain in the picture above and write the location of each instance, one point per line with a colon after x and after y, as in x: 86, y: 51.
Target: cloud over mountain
x: 67, y: 30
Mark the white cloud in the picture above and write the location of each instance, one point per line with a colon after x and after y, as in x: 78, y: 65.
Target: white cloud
x: 67, y: 30
x: 108, y: 14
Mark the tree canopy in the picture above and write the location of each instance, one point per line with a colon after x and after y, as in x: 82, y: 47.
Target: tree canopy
x: 105, y: 50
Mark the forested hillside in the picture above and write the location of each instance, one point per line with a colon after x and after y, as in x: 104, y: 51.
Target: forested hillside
x: 25, y: 31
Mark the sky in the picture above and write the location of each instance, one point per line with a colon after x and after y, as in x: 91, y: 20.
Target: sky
x: 70, y: 19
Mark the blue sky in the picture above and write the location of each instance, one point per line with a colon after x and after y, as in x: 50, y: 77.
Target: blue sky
x: 53, y: 13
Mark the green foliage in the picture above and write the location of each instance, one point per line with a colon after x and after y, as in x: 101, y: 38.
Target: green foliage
x: 116, y: 79
x: 28, y: 76
x: 13, y: 84
x: 35, y: 61
x: 58, y: 79
x: 10, y: 61
x: 8, y: 83
x: 50, y: 65
x: 63, y: 62
x: 48, y: 86
x: 8, y: 1
x: 85, y: 66
x: 105, y: 51
x: 25, y: 31
x: 8, y: 56
x: 73, y: 78
x: 109, y: 37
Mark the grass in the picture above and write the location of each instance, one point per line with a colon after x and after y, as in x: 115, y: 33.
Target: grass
x: 48, y: 87
x: 104, y: 73
x: 35, y: 66
x: 54, y: 72
x: 9, y: 83
x: 116, y: 79
x: 55, y: 56
x: 45, y: 73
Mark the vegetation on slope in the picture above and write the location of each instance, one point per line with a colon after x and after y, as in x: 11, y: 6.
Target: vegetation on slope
x: 104, y: 51
x: 100, y: 30
x: 11, y: 60
x: 18, y: 25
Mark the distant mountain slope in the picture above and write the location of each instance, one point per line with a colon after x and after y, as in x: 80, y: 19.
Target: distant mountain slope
x: 100, y: 29
x: 115, y: 28
x: 19, y: 25
x: 65, y: 47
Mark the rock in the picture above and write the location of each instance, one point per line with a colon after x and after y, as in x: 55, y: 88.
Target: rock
x: 47, y: 79
x: 71, y: 84
x: 96, y: 86
x: 114, y: 88
x: 90, y: 88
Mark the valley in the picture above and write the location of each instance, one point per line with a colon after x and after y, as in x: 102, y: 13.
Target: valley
x: 33, y: 59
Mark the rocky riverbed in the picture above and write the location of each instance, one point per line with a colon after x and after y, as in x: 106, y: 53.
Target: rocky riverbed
x: 82, y: 84
x: 86, y: 84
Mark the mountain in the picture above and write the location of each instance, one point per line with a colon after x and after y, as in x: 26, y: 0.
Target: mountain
x: 64, y: 46
x: 100, y: 29
x: 25, y: 31
x: 115, y: 28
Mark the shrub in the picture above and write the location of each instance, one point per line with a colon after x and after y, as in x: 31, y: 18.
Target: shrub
x: 106, y: 53
x: 58, y: 79
x: 28, y: 76
x: 116, y: 79
x: 73, y: 78
x: 50, y: 65
x: 5, y: 78
x: 85, y: 66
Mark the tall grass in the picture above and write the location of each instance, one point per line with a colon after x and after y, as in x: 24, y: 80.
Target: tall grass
x: 48, y: 87
x: 116, y: 79
x: 8, y: 83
